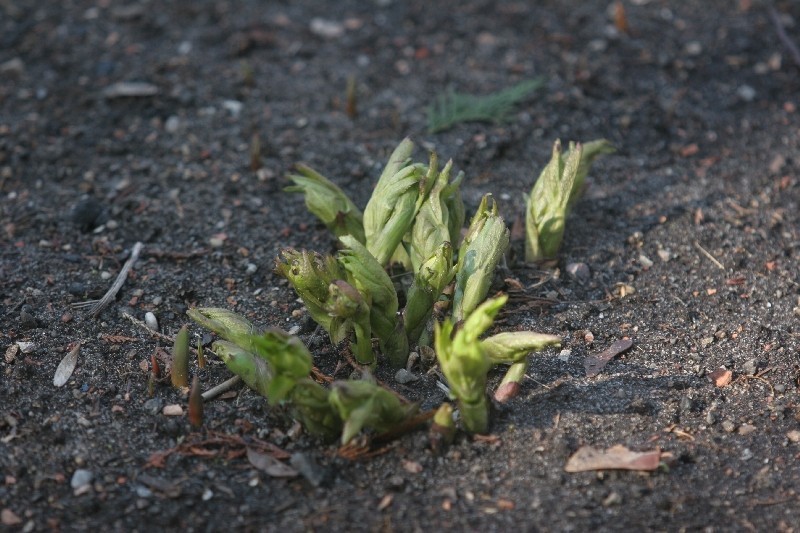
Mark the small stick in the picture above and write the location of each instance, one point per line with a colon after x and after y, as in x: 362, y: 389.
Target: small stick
x: 223, y: 387
x: 787, y: 42
x: 710, y: 257
x: 123, y: 274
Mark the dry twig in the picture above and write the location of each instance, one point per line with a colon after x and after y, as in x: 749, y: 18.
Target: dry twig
x: 785, y: 39
x: 112, y: 292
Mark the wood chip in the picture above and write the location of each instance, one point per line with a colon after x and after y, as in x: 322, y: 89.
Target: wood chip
x: 412, y: 467
x: 596, y: 362
x: 721, y: 377
x: 617, y: 457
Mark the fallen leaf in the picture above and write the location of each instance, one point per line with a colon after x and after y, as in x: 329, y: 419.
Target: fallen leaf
x: 67, y: 366
x: 721, y: 377
x: 596, y: 362
x: 617, y: 457
x: 269, y: 465
x: 9, y: 518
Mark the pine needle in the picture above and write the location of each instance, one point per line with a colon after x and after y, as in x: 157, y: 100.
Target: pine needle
x: 451, y: 107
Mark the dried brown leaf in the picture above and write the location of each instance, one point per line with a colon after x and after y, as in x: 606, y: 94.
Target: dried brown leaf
x: 617, y: 457
x: 596, y: 362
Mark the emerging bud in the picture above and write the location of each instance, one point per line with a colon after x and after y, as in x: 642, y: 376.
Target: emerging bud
x: 328, y: 202
x: 223, y: 322
x: 443, y: 429
x: 394, y: 204
x: 480, y: 253
x: 556, y: 190
x: 179, y: 370
x: 465, y: 364
x: 514, y: 346
x: 364, y: 404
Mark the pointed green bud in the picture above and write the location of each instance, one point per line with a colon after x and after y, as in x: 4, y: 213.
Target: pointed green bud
x: 432, y: 225
x: 364, y: 404
x: 347, y: 303
x: 514, y: 346
x: 591, y: 151
x: 429, y: 282
x: 443, y: 429
x: 254, y: 371
x: 369, y: 277
x: 465, y: 363
x: 310, y: 274
x: 328, y: 203
x: 480, y: 253
x: 557, y: 189
x: 310, y: 406
x: 394, y: 204
x: 287, y: 356
x: 223, y: 322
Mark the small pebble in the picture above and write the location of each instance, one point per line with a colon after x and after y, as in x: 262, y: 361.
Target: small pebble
x: 151, y: 321
x: 746, y: 93
x: 645, y: 261
x: 612, y: 499
x: 793, y: 435
x: 308, y: 468
x: 81, y: 478
x: 564, y: 355
x: 747, y: 454
x: 750, y: 367
x: 728, y: 426
x: 153, y: 405
x: 664, y: 254
x: 403, y: 376
x: 686, y: 404
x: 746, y: 429
x: 579, y: 272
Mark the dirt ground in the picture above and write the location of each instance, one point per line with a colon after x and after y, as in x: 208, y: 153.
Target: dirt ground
x: 690, y: 234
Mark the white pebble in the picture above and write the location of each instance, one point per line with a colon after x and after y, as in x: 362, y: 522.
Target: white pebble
x: 151, y: 321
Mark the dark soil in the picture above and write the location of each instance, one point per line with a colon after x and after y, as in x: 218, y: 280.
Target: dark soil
x: 690, y: 232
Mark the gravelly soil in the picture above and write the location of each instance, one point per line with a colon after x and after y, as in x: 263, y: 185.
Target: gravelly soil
x: 690, y: 232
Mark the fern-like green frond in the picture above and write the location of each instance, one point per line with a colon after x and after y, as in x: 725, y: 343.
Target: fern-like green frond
x: 451, y: 107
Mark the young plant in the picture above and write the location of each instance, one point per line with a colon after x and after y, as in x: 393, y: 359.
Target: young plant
x: 452, y: 107
x: 480, y: 253
x: 441, y: 216
x: 394, y: 203
x: 365, y: 404
x: 465, y: 363
x: 179, y: 369
x: 513, y: 347
x: 311, y: 276
x: 557, y: 189
x: 429, y: 282
x: 328, y: 203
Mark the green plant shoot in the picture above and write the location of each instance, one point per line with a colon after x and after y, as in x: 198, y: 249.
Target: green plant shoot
x: 452, y: 108
x: 557, y: 189
x: 465, y: 364
x: 364, y: 404
x: 394, y: 203
x: 328, y: 203
x: 480, y: 253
